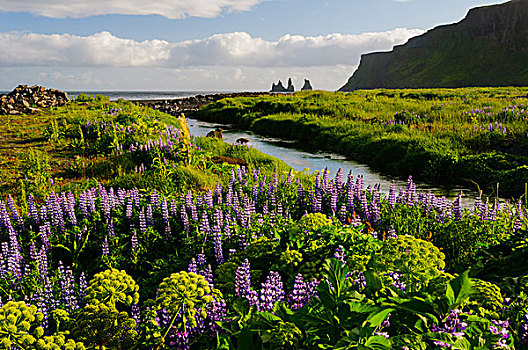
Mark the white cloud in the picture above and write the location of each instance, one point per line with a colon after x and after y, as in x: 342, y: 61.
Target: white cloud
x: 173, y: 9
x: 230, y: 49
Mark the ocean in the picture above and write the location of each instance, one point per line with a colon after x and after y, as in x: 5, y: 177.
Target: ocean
x: 141, y: 95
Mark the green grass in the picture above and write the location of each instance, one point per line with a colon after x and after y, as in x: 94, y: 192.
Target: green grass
x: 53, y: 150
x: 443, y: 135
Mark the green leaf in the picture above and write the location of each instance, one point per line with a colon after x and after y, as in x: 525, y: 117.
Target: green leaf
x: 462, y: 343
x: 241, y: 306
x: 376, y: 319
x: 378, y: 342
x: 459, y: 289
x: 373, y: 282
x: 271, y: 318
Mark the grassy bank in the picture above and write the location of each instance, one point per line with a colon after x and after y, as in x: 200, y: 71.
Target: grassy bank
x: 471, y: 136
x: 117, y: 144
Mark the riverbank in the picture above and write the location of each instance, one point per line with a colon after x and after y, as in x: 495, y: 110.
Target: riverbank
x: 473, y: 137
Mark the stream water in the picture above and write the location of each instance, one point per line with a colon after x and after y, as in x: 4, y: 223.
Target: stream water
x: 310, y: 162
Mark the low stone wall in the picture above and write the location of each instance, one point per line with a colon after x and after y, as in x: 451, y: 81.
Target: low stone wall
x: 28, y: 99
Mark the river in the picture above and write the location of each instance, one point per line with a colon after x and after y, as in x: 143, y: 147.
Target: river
x: 310, y: 162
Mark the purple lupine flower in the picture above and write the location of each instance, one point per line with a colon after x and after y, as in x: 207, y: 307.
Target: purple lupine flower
x: 192, y: 266
x: 33, y: 212
x: 45, y: 232
x: 452, y: 325
x: 342, y: 214
x: 216, y: 312
x: 391, y: 233
x: 128, y: 213
x: 517, y: 224
x: 12, y: 208
x: 364, y: 205
x: 457, y: 207
x: 150, y: 217
x: 243, y: 280
x: 42, y: 261
x: 105, y: 248
x: 154, y: 198
x: 200, y: 259
x: 396, y: 282
x: 333, y: 200
x: 173, y: 208
x: 184, y: 219
x: 67, y: 282
x: 271, y: 292
x: 374, y: 212
x: 181, y: 341
x: 217, y: 244
x: 142, y: 221
x: 111, y: 228
x: 299, y: 295
x: 134, y: 240
x: 208, y: 275
x: 83, y: 284
x: 523, y: 330
x: 392, y: 195
x: 204, y: 224
x: 340, y: 254
x: 135, y: 314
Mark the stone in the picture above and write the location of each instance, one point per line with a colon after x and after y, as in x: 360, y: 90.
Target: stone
x: 215, y: 134
x: 22, y: 98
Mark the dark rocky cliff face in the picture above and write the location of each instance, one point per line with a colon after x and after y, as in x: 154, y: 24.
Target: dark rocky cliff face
x: 487, y: 48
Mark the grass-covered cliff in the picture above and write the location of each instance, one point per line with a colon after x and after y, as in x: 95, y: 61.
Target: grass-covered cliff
x: 487, y: 48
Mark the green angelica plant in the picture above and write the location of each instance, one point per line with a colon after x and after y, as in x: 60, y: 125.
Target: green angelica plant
x: 314, y: 221
x: 110, y: 287
x: 183, y: 294
x: 416, y: 260
x: 20, y: 329
x: 102, y: 327
x: 18, y: 325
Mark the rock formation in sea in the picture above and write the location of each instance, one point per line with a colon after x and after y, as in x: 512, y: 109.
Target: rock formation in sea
x: 307, y: 85
x: 280, y: 88
x: 290, y: 87
x: 489, y: 47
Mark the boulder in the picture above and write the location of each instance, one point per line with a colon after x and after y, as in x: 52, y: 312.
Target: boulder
x: 215, y: 134
x: 25, y: 99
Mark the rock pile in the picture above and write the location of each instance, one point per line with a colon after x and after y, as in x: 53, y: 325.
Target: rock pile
x: 27, y: 99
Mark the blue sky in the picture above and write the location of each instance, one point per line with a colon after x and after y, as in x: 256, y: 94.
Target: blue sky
x: 204, y: 44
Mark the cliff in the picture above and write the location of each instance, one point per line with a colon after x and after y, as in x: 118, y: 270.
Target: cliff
x: 489, y: 47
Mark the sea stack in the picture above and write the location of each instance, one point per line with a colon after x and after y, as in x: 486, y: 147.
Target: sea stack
x: 280, y: 88
x: 307, y: 85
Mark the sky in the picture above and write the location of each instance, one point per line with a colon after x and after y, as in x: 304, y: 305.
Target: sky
x: 204, y: 45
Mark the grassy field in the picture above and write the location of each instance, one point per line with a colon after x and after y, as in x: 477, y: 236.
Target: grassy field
x: 71, y: 147
x: 477, y: 137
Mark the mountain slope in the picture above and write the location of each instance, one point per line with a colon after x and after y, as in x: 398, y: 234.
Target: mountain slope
x: 487, y: 48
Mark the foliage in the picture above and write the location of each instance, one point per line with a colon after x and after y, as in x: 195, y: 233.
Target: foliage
x: 111, y: 287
